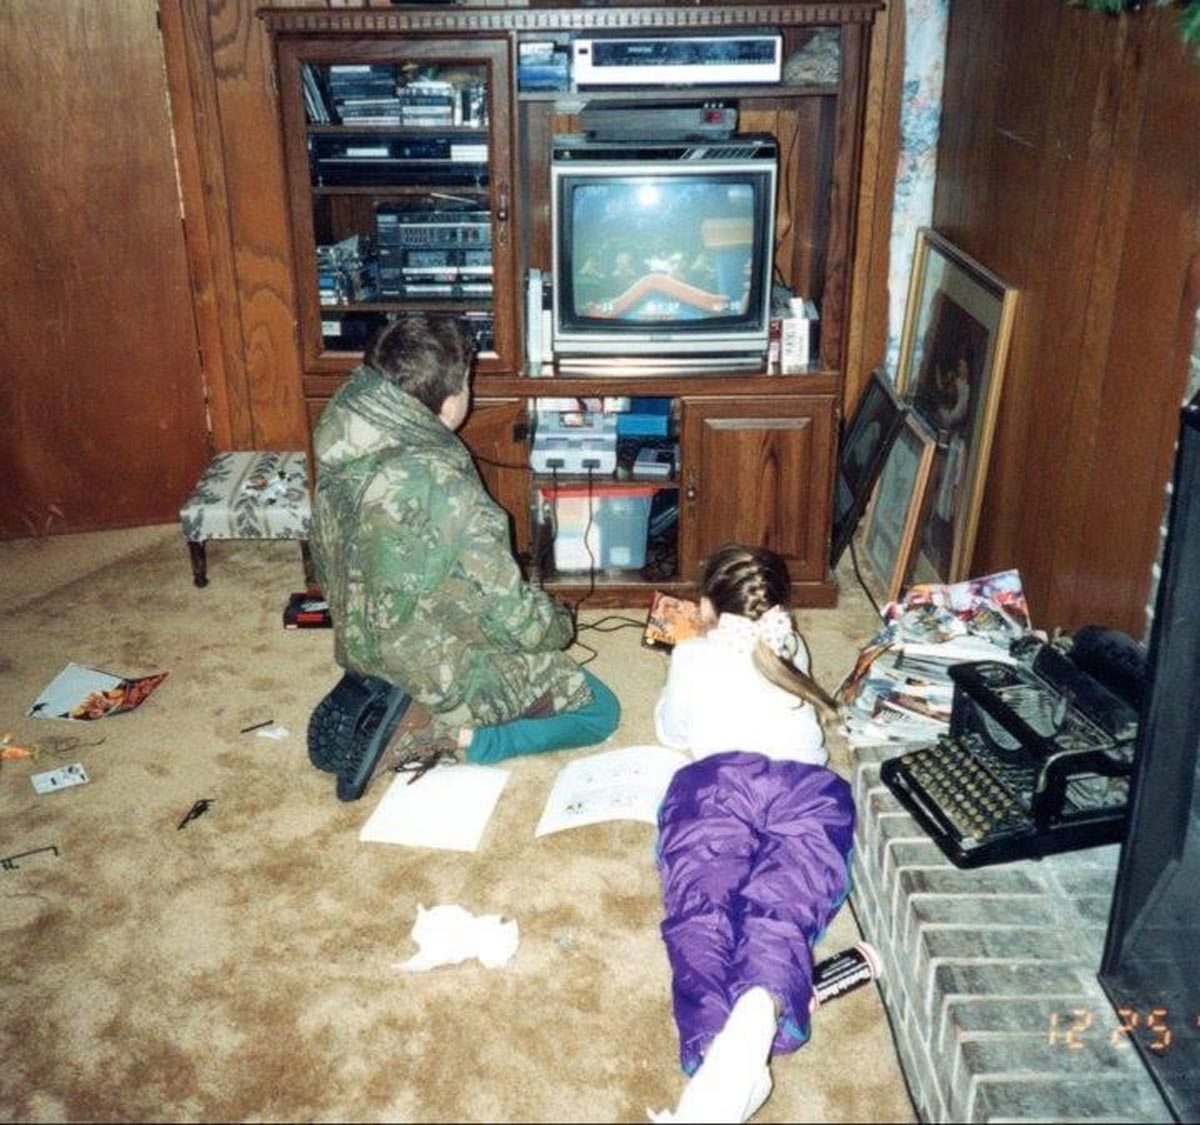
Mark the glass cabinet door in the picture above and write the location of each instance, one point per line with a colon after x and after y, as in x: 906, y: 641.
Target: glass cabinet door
x: 398, y: 156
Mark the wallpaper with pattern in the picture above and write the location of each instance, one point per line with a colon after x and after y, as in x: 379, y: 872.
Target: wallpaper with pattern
x: 920, y: 119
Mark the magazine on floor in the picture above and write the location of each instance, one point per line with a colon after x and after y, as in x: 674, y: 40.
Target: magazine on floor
x: 82, y: 694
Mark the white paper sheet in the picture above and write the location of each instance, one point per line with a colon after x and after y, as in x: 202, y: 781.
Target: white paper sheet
x: 447, y: 808
x: 624, y: 784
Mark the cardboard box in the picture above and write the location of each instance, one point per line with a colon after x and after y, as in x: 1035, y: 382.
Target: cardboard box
x: 798, y: 337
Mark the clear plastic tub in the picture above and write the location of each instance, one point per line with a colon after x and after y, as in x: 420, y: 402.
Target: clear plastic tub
x: 613, y: 518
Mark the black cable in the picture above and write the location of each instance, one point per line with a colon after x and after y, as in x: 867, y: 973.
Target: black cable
x: 499, y: 464
x: 577, y: 643
x: 622, y: 623
x: 591, y: 557
x: 858, y: 575
x: 554, y: 526
x: 786, y: 162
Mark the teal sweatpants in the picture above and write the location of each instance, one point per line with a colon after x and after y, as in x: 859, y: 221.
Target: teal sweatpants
x: 567, y: 730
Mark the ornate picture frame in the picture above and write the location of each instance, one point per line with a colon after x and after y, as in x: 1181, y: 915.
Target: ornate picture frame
x: 953, y: 351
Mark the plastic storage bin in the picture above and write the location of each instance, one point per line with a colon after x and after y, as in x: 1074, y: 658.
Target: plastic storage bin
x: 613, y: 518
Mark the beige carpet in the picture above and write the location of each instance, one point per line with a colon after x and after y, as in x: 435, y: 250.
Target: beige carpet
x: 241, y: 968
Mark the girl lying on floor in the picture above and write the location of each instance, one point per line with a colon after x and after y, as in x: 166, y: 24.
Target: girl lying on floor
x: 754, y: 837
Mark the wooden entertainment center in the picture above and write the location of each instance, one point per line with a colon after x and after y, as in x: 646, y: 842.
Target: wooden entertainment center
x: 757, y: 450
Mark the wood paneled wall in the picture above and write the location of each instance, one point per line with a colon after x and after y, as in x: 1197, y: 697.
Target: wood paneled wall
x: 228, y: 133
x: 100, y: 384
x: 1069, y: 164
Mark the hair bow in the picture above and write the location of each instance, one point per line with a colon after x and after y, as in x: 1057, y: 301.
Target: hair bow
x: 776, y: 630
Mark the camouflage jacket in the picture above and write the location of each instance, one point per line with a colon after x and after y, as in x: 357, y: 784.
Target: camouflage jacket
x: 414, y: 559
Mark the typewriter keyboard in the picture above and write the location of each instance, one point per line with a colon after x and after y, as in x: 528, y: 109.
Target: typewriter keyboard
x: 969, y: 799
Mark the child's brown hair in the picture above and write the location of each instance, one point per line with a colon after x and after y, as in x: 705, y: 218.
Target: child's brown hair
x: 749, y: 581
x: 429, y: 357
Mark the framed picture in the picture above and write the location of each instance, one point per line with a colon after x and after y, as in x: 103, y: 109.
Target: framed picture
x: 899, y: 502
x: 953, y: 350
x: 864, y: 448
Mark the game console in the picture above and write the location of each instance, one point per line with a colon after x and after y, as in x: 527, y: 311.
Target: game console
x: 656, y: 461
x: 574, y: 442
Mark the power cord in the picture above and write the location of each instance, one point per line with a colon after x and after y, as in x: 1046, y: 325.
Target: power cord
x: 861, y: 582
x: 622, y: 623
x: 587, y: 546
x: 499, y: 464
x: 602, y: 625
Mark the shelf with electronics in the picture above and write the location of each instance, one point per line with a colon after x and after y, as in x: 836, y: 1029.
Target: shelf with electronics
x: 429, y: 169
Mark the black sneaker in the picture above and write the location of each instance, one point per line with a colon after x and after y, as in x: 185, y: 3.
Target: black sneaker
x: 356, y: 706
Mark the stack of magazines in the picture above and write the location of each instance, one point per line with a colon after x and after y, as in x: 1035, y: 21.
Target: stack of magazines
x: 900, y: 690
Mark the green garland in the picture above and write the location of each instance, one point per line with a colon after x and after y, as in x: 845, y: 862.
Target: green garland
x: 1189, y: 14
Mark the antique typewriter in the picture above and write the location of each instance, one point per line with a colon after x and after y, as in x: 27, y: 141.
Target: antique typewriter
x: 1039, y: 754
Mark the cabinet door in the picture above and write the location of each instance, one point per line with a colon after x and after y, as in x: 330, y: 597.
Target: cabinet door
x: 758, y: 471
x: 399, y: 161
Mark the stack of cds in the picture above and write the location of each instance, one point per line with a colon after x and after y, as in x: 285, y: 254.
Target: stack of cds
x: 426, y: 101
x: 543, y: 65
x: 376, y: 94
x: 347, y: 272
x: 364, y: 94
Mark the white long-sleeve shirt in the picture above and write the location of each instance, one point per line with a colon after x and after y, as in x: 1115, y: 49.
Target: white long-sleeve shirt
x: 716, y: 700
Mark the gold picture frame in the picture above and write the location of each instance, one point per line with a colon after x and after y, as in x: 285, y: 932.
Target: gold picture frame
x: 953, y: 351
x: 898, y: 505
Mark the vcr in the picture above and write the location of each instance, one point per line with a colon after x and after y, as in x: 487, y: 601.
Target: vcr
x: 677, y: 60
x: 373, y: 160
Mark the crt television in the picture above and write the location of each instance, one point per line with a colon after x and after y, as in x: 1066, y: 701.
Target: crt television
x: 663, y: 249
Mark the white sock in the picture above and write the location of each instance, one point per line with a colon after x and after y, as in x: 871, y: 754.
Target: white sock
x: 734, y: 1079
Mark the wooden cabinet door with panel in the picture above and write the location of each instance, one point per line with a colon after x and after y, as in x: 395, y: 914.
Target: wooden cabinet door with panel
x: 759, y: 470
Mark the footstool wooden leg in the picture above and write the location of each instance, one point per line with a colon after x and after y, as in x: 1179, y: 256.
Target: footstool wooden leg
x: 199, y: 563
x: 310, y: 574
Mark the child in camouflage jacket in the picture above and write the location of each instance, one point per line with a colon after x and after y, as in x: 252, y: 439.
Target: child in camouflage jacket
x: 413, y: 557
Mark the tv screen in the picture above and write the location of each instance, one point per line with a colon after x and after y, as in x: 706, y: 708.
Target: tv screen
x: 657, y: 253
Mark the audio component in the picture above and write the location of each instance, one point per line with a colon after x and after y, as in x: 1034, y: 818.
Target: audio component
x: 684, y: 60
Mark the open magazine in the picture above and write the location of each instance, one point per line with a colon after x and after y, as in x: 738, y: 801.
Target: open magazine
x: 84, y: 694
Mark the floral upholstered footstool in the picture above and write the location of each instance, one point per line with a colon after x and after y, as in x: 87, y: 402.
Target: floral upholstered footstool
x: 249, y: 495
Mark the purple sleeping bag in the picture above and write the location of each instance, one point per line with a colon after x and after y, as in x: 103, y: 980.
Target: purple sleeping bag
x: 754, y: 857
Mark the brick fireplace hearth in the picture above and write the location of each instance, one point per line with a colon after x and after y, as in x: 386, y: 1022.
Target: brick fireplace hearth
x: 990, y: 974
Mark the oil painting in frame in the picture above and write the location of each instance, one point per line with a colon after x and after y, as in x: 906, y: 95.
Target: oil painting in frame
x: 896, y: 510
x: 864, y: 447
x: 953, y: 349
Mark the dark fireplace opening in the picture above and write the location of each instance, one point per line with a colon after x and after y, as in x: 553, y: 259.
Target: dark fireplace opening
x: 1151, y: 965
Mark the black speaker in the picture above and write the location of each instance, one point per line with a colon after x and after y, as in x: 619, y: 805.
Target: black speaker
x: 1151, y: 964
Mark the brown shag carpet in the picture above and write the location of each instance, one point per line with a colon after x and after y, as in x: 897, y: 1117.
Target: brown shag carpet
x: 241, y: 968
